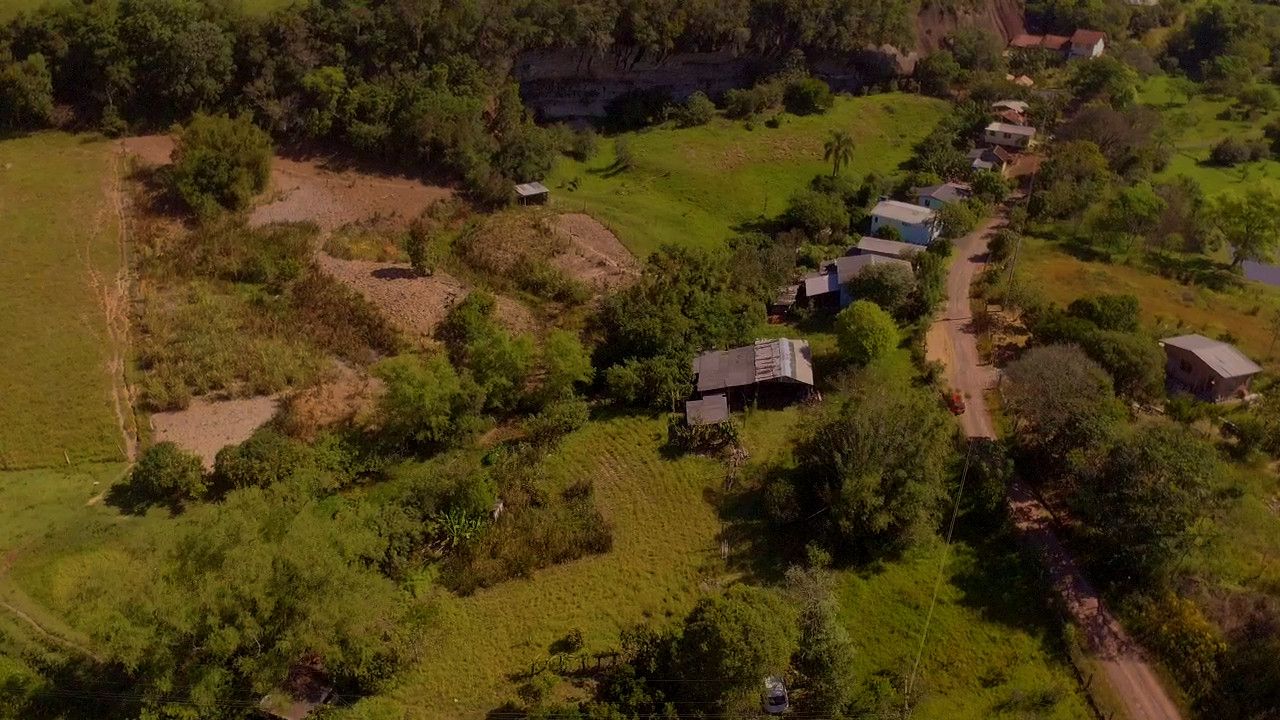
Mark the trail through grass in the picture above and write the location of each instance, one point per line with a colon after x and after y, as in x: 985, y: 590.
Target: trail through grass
x: 693, y: 186
x: 59, y: 227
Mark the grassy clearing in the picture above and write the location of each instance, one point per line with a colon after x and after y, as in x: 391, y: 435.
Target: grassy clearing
x: 993, y: 649
x: 1167, y: 304
x: 60, y: 228
x: 48, y: 514
x: 665, y: 553
x: 1195, y: 127
x: 1245, y: 552
x: 692, y: 186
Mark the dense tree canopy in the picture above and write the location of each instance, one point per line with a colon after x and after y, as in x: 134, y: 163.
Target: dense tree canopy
x: 876, y: 465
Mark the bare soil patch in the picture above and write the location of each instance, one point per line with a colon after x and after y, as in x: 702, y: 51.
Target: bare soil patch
x: 415, y: 305
x: 207, y: 426
x: 594, y: 255
x: 348, y: 395
x: 313, y: 190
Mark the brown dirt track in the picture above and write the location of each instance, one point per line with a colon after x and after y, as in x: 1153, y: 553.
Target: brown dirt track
x: 594, y: 255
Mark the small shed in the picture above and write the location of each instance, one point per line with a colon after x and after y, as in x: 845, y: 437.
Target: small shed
x: 534, y: 193
x: 303, y: 691
x: 1209, y: 369
x: 707, y: 410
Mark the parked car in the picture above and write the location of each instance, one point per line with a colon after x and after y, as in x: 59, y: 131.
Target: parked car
x: 775, y: 696
x: 955, y: 403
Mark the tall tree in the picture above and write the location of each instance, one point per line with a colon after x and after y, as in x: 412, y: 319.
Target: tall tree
x: 838, y: 150
x: 1249, y: 224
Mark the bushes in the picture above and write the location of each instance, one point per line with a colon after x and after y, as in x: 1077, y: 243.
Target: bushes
x: 865, y: 332
x: 532, y: 533
x: 807, y: 96
x: 426, y: 401
x: 696, y: 110
x: 265, y: 459
x: 220, y: 162
x: 817, y: 213
x: 165, y: 473
x: 1231, y: 151
x: 1187, y: 642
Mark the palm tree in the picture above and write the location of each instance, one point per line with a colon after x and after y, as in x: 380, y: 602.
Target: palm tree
x: 839, y: 150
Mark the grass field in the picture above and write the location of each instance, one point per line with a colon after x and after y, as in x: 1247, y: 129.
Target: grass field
x: 692, y: 186
x: 59, y: 228
x: 988, y: 653
x: 1196, y: 126
x: 1166, y: 304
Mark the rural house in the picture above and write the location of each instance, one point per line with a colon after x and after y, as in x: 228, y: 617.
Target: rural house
x: 1052, y: 43
x: 828, y: 288
x: 1087, y: 44
x: 935, y: 196
x: 995, y: 159
x: 1018, y: 106
x: 534, y: 193
x: 883, y: 248
x: 769, y: 372
x: 1009, y: 135
x: 1208, y: 369
x: 917, y: 224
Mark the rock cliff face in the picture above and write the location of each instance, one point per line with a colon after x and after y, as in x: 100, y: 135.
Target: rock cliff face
x: 933, y: 23
x: 575, y: 85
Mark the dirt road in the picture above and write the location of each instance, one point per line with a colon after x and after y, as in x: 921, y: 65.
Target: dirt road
x: 953, y: 341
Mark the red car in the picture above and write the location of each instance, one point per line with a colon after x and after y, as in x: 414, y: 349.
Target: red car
x: 955, y: 403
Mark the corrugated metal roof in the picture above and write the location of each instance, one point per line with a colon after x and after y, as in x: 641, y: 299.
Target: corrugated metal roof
x: 1020, y: 106
x: 946, y: 192
x: 763, y: 361
x: 533, y: 188
x: 903, y: 212
x: 878, y: 246
x: 850, y: 266
x: 1223, y: 359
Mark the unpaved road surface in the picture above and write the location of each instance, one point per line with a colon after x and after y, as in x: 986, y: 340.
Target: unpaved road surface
x: 953, y: 341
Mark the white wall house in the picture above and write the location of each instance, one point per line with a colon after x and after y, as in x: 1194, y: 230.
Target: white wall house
x: 1087, y: 44
x: 935, y: 196
x: 917, y: 224
x: 1011, y: 136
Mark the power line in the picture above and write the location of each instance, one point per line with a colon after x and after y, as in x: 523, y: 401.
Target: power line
x: 937, y: 583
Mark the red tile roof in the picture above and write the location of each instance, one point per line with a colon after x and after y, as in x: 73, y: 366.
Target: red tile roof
x: 1087, y: 37
x: 1055, y: 42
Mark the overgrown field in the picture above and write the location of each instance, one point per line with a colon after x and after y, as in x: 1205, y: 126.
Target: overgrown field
x: 693, y: 186
x: 1166, y: 304
x: 59, y: 238
x: 1195, y: 125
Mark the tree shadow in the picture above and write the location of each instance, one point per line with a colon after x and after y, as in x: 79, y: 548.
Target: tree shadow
x: 394, y: 273
x: 126, y: 498
x: 1194, y: 270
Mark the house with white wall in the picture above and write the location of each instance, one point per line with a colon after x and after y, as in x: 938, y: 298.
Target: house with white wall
x: 1087, y: 44
x: 1008, y: 135
x: 917, y: 224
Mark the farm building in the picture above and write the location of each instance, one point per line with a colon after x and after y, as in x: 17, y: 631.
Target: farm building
x: 883, y: 248
x: 995, y: 159
x: 707, y: 410
x: 935, y: 196
x: 1087, y: 44
x: 1209, y: 369
x: 534, y: 193
x: 1053, y: 43
x: 769, y: 372
x: 828, y: 288
x: 917, y: 224
x: 1008, y: 135
x: 1019, y: 106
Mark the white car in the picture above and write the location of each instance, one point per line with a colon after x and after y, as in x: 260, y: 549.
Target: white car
x: 775, y: 696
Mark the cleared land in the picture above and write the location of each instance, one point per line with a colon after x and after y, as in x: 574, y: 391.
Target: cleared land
x: 693, y: 186
x: 1196, y: 126
x: 59, y: 246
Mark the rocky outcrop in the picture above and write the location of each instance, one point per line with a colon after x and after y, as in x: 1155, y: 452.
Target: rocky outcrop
x: 935, y: 21
x: 576, y: 84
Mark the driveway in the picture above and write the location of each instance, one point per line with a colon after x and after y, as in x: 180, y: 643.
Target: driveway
x: 953, y: 341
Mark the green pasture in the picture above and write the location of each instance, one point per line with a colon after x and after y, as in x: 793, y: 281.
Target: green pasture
x: 59, y: 238
x: 694, y: 186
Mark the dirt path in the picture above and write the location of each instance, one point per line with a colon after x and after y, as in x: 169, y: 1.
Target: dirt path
x: 113, y: 296
x: 953, y: 340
